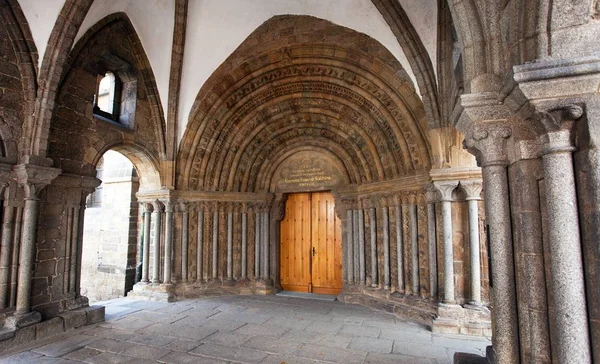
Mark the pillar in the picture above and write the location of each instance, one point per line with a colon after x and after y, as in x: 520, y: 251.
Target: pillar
x: 200, y: 246
x: 487, y: 141
x: 571, y: 342
x: 374, y: 271
x: 445, y: 189
x: 215, y: 245
x: 472, y: 190
x: 349, y: 247
x: 430, y: 197
x: 244, y: 244
x: 156, y: 217
x: 399, y: 248
x: 168, y: 242
x: 185, y: 218
x: 8, y: 218
x: 266, y: 242
x: 146, y: 240
x: 361, y: 247
x: 257, y: 240
x: 230, y: 245
x: 33, y: 179
x: 386, y: 246
x: 414, y: 247
x: 355, y: 243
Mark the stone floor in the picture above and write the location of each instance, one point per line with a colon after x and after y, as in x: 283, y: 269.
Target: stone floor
x: 246, y: 329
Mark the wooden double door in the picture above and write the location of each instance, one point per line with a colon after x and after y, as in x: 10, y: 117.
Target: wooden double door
x: 311, y: 244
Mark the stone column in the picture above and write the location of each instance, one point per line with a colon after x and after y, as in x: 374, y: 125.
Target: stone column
x: 33, y: 179
x: 473, y: 191
x: 445, y: 189
x: 146, y: 237
x: 361, y: 247
x: 431, y: 196
x: 168, y: 242
x: 244, y: 244
x: 230, y: 246
x: 185, y: 222
x: 200, y: 246
x: 156, y: 216
x: 8, y: 220
x: 355, y: 243
x: 349, y: 247
x: 487, y: 141
x: 414, y: 246
x: 257, y: 240
x: 571, y: 342
x: 386, y: 246
x: 374, y: 271
x: 400, y: 248
x: 266, y: 255
x: 215, y: 245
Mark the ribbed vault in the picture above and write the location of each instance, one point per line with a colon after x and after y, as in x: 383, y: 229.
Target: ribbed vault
x: 301, y: 83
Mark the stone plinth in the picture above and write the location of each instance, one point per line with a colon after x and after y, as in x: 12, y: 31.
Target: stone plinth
x: 466, y: 320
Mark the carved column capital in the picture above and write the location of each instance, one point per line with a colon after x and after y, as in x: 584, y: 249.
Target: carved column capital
x: 445, y: 188
x: 558, y: 124
x: 487, y: 142
x: 34, y: 178
x: 472, y: 188
x: 431, y: 194
x: 157, y: 206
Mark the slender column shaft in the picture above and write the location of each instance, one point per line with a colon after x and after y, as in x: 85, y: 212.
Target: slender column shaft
x: 200, y: 247
x: 431, y: 234
x: 244, y: 244
x: 448, y: 254
x: 156, y: 216
x: 374, y: 270
x: 355, y: 243
x: 76, y: 274
x: 27, y: 256
x: 414, y: 247
x: 257, y: 240
x: 16, y: 256
x: 506, y: 335
x: 399, y: 248
x: 6, y: 253
x: 361, y: 246
x: 68, y: 248
x: 570, y: 312
x: 230, y: 245
x: 146, y: 252
x: 474, y: 248
x: 184, y: 244
x: 75, y: 249
x: 266, y: 250
x: 350, y: 247
x: 386, y: 247
x: 215, y: 245
x: 168, y: 243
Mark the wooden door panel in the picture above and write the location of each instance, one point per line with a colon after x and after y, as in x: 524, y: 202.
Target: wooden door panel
x: 310, y: 223
x: 295, y: 244
x: 326, y: 231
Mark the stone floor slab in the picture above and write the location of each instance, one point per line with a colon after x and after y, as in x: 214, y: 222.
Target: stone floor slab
x: 243, y: 355
x: 62, y: 347
x: 373, y: 345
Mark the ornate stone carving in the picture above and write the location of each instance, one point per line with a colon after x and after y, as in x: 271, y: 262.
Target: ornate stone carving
x: 558, y: 124
x: 34, y: 178
x: 487, y: 142
x: 472, y: 189
x: 445, y: 188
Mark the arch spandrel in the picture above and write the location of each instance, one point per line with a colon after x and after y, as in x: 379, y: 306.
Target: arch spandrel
x: 285, y: 94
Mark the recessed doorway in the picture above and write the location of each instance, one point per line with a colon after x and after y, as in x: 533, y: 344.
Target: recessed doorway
x: 311, y: 244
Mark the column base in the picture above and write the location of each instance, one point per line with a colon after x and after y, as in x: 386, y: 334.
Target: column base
x: 153, y: 292
x: 472, y: 320
x: 265, y: 287
x: 18, y: 321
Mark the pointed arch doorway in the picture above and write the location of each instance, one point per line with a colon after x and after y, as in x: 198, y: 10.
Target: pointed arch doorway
x: 311, y: 244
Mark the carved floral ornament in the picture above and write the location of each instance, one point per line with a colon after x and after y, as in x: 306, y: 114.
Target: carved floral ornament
x: 487, y: 142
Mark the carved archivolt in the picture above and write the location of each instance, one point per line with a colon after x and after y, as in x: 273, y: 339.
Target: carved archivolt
x: 251, y: 114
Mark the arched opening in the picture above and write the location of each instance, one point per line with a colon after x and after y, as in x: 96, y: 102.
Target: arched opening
x: 111, y: 251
